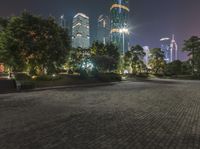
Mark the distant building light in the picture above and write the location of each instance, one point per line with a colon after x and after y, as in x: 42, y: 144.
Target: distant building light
x: 79, y: 35
x: 81, y: 14
x: 120, y: 6
x: 164, y: 39
x: 62, y: 17
x: 123, y: 30
x: 78, y: 24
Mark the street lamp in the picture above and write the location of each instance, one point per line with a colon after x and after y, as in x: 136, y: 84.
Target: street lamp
x: 124, y: 31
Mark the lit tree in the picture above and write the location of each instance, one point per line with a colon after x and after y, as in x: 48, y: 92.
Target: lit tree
x: 105, y: 57
x: 157, y: 62
x: 34, y: 44
x: 133, y: 59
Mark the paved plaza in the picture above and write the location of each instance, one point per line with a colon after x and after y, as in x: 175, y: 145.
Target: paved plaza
x: 157, y: 114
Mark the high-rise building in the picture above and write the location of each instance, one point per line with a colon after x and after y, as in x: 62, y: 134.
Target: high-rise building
x: 173, y: 49
x: 80, y: 31
x: 119, y: 24
x: 170, y: 49
x: 165, y: 47
x: 103, y: 29
x: 147, y: 55
x: 62, y: 21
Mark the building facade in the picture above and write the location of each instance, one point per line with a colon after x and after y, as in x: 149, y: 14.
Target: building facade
x: 103, y: 29
x: 80, y: 31
x: 147, y: 55
x: 119, y: 13
x: 173, y: 49
x: 170, y: 49
x: 62, y: 22
x: 165, y: 47
x: 65, y: 25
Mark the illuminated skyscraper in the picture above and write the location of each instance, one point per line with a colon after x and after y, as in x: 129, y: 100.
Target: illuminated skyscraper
x: 147, y: 55
x: 165, y: 47
x: 173, y: 49
x: 170, y: 49
x: 65, y: 25
x: 119, y: 24
x: 62, y: 21
x: 80, y: 31
x: 103, y: 29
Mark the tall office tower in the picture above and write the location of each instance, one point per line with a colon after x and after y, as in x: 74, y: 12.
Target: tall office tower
x: 147, y: 55
x: 62, y: 22
x: 80, y: 31
x: 165, y: 47
x: 103, y: 29
x: 119, y: 24
x: 174, y: 49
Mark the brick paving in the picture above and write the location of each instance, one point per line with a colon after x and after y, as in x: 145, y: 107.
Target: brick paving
x: 129, y: 115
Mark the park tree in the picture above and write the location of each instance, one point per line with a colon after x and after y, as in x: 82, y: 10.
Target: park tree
x: 192, y: 45
x: 157, y: 62
x: 105, y: 57
x: 134, y: 59
x: 174, y: 68
x: 186, y: 68
x: 34, y: 44
x: 78, y: 59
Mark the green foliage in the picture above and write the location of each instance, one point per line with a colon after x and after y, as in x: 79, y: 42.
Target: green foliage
x: 84, y: 74
x: 22, y: 76
x: 105, y: 57
x: 133, y: 59
x: 35, y: 44
x: 48, y: 78
x: 192, y: 45
x: 156, y: 61
x: 186, y: 68
x: 25, y: 85
x: 108, y: 77
x: 78, y: 57
x: 102, y: 58
x: 174, y: 68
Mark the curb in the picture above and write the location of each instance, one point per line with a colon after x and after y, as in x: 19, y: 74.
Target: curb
x: 69, y: 87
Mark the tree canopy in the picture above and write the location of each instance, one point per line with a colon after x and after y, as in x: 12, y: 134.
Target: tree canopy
x: 134, y: 59
x: 156, y: 61
x: 105, y: 57
x: 192, y: 45
x: 34, y: 44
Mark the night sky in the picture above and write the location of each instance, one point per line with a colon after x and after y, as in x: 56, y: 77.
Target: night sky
x: 149, y: 19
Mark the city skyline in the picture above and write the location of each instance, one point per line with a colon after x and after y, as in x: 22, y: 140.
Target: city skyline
x: 149, y: 21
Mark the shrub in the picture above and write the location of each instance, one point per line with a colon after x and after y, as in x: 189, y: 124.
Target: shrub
x: 22, y: 76
x: 27, y: 85
x: 48, y: 78
x: 109, y: 77
x: 84, y: 74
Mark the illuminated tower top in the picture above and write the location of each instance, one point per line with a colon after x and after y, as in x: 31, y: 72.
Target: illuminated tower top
x: 119, y: 24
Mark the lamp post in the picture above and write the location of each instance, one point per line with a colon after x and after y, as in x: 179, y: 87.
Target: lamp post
x: 124, y: 31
